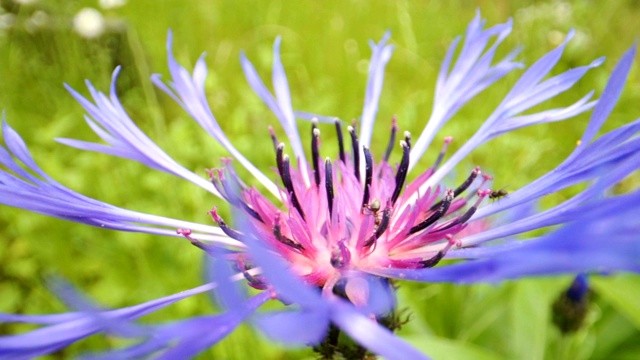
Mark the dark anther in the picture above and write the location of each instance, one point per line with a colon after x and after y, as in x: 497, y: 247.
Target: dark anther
x: 401, y: 175
x: 214, y: 177
x: 467, y: 182
x: 285, y: 174
x: 277, y: 232
x: 392, y: 140
x: 462, y: 219
x: 279, y: 159
x: 255, y: 282
x: 464, y: 186
x: 340, y: 140
x: 234, y: 234
x: 234, y: 199
x: 209, y: 249
x: 328, y: 183
x: 356, y: 151
x: 382, y: 227
x: 340, y: 256
x: 315, y: 150
x: 254, y: 214
x: 438, y: 161
x: 438, y: 213
x: 288, y: 184
x: 219, y: 182
x: 429, y: 263
x: 368, y: 176
x: 407, y: 139
x: 237, y: 182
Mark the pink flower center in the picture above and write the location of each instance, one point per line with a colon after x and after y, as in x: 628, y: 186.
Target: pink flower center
x: 352, y: 218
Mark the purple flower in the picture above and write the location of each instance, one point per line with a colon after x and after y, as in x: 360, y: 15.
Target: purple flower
x: 345, y: 226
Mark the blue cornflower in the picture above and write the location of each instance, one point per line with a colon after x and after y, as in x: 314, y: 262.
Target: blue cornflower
x: 347, y: 226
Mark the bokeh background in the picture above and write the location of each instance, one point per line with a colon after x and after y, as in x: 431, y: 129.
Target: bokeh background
x: 44, y: 44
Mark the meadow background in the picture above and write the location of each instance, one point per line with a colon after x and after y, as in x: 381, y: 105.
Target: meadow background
x: 325, y: 54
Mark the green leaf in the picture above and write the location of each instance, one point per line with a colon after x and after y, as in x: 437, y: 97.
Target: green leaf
x: 622, y: 292
x: 442, y: 348
x: 529, y: 307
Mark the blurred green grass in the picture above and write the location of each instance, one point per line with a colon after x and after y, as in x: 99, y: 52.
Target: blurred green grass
x: 325, y: 53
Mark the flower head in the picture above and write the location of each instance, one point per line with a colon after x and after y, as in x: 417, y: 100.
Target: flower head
x: 348, y: 225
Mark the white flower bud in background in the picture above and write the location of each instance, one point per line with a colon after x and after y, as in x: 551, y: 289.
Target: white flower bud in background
x: 7, y: 21
x: 37, y: 21
x: 89, y: 23
x: 111, y: 4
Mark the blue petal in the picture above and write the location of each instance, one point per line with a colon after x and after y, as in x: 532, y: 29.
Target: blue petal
x: 229, y: 295
x: 604, y: 238
x: 286, y: 284
x: 185, y: 339
x: 529, y: 91
x: 46, y: 196
x: 110, y: 121
x: 77, y: 326
x: 370, y: 334
x: 538, y: 71
x: 471, y: 74
x: 281, y: 107
x: 610, y: 95
x: 379, y: 59
x: 563, y: 212
x: 585, y: 161
x: 299, y: 328
x: 188, y: 91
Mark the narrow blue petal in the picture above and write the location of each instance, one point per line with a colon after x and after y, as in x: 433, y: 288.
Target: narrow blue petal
x: 281, y: 85
x: 39, y: 319
x: 559, y: 114
x: 229, y: 295
x: 538, y: 93
x: 154, y: 344
x: 603, y: 238
x: 187, y: 338
x: 563, y: 212
x: 196, y: 337
x: 188, y: 90
x: 105, y: 149
x: 526, y: 93
x: 281, y: 107
x: 379, y: 59
x: 76, y: 327
x: 576, y: 169
x: 538, y: 70
x: 46, y: 196
x: 610, y: 95
x: 588, y: 156
x: 111, y: 123
x: 297, y: 328
x: 612, y: 138
x: 446, y: 64
x: 471, y: 74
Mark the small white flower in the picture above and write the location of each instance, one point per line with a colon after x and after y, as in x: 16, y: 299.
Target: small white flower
x: 7, y: 21
x: 111, y: 4
x: 89, y: 23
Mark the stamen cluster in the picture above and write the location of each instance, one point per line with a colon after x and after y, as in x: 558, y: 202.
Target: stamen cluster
x: 347, y: 216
